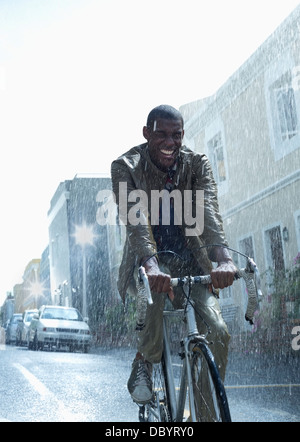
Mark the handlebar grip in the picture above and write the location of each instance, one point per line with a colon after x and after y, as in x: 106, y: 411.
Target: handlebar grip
x: 253, y: 305
x: 143, y: 299
x: 145, y: 280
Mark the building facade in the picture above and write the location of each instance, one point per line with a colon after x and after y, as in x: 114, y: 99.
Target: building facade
x: 34, y: 291
x: 81, y: 250
x: 6, y: 311
x: 250, y: 130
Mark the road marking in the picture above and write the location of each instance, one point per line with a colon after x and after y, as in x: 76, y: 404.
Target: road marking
x: 38, y: 386
x: 237, y: 387
x: 241, y: 387
x: 64, y: 414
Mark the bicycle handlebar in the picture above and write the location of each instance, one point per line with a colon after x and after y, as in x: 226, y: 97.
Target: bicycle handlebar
x: 250, y: 274
x: 145, y: 280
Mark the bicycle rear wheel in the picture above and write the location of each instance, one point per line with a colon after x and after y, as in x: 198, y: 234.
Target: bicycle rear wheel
x: 210, y: 400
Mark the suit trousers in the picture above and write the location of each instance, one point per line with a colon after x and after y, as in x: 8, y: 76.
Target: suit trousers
x: 150, y: 340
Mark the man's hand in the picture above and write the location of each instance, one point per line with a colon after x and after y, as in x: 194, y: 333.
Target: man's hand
x: 223, y: 275
x: 159, y: 282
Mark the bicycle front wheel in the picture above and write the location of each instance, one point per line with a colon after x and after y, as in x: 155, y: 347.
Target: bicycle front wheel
x: 158, y: 410
x: 210, y: 400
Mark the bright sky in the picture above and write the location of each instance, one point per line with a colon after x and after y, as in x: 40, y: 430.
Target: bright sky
x: 78, y: 79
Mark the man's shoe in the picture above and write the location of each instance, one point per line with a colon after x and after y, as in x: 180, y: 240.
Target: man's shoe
x: 140, y: 382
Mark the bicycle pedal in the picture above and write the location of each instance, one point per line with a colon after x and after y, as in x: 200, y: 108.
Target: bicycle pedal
x: 142, y: 413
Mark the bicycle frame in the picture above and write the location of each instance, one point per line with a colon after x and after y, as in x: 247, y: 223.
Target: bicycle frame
x: 193, y: 344
x: 177, y: 402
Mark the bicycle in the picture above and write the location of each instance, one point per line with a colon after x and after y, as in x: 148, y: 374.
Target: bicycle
x: 174, y: 392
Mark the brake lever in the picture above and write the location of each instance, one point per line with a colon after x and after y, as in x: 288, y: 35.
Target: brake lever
x: 251, y: 265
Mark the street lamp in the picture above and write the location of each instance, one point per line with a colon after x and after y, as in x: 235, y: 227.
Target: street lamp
x: 36, y: 290
x: 84, y: 236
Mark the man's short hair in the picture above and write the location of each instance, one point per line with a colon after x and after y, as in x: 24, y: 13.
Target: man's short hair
x: 165, y: 112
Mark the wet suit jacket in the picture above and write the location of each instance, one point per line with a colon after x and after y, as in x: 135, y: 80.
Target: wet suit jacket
x: 193, y: 172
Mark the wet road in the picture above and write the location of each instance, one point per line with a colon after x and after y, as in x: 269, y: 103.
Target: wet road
x: 74, y: 387
x: 264, y: 389
x: 60, y: 386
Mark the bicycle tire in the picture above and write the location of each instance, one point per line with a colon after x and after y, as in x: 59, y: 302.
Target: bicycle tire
x: 158, y: 410
x: 211, y: 402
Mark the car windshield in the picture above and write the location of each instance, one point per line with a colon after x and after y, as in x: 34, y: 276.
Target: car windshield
x: 28, y: 316
x: 65, y: 314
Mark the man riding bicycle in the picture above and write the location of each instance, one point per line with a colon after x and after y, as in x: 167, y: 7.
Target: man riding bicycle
x: 163, y: 163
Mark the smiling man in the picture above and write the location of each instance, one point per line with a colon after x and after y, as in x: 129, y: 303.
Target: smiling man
x: 163, y: 163
x: 164, y: 133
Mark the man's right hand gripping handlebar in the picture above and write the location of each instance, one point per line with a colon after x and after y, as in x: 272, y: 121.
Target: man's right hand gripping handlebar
x: 159, y: 281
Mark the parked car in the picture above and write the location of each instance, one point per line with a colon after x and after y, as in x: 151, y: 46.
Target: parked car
x: 11, y: 329
x: 58, y: 326
x: 2, y: 335
x: 6, y: 325
x: 23, y: 327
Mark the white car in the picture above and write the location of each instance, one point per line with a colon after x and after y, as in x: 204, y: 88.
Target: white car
x: 59, y: 326
x: 11, y: 329
x: 23, y: 327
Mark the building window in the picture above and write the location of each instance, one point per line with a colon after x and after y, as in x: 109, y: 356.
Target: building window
x: 284, y: 97
x: 216, y: 150
x: 274, y: 249
x: 283, y: 106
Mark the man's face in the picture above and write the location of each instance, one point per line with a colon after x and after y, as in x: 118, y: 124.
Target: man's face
x: 164, y: 141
